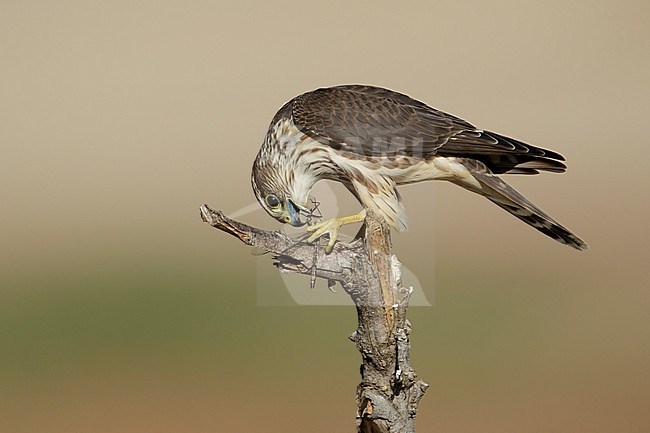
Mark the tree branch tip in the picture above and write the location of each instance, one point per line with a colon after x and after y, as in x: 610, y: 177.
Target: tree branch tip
x: 206, y: 213
x: 215, y: 218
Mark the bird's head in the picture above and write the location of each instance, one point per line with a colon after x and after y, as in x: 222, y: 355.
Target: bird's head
x: 276, y: 190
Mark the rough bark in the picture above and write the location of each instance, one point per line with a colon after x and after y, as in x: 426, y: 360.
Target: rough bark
x: 390, y: 391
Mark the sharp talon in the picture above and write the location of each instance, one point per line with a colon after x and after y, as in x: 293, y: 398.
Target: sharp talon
x: 312, y: 227
x: 331, y: 228
x: 330, y: 244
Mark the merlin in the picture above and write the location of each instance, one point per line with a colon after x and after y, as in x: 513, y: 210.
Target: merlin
x: 373, y: 140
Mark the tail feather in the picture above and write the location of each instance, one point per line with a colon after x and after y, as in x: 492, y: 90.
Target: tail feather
x: 506, y: 197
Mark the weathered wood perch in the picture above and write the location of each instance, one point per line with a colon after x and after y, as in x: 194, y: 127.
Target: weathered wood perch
x: 390, y: 391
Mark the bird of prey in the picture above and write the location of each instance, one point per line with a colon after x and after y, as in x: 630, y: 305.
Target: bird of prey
x: 372, y: 140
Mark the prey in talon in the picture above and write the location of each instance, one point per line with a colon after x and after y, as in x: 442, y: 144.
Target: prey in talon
x: 373, y: 140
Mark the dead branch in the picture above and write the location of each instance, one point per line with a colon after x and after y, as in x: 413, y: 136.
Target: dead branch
x: 390, y: 391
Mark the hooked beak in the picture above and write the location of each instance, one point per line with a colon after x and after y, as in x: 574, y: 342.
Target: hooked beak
x: 294, y: 213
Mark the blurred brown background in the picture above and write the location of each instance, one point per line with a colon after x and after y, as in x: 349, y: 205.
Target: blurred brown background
x: 121, y: 312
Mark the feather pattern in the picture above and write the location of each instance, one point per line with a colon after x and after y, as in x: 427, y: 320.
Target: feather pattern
x: 373, y: 121
x: 373, y: 139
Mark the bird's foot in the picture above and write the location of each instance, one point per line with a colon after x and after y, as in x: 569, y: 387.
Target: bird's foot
x: 331, y: 228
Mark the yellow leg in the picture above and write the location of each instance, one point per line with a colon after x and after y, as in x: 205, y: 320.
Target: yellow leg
x: 331, y: 227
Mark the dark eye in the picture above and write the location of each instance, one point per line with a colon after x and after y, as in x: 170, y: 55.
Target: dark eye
x: 272, y: 201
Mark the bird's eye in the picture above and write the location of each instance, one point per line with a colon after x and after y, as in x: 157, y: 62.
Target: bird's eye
x: 273, y: 201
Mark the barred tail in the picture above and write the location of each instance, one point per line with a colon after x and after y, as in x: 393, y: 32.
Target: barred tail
x: 506, y: 197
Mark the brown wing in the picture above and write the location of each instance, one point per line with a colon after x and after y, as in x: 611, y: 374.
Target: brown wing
x: 372, y: 121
